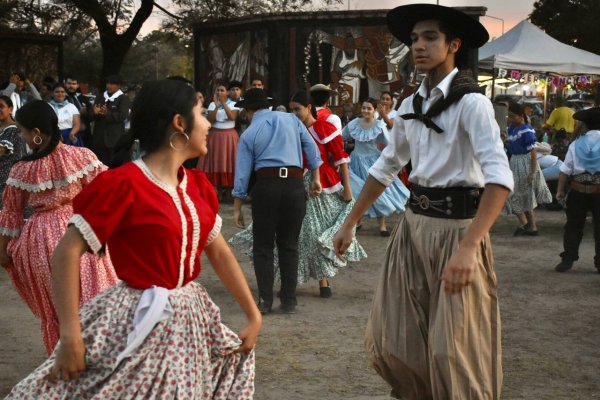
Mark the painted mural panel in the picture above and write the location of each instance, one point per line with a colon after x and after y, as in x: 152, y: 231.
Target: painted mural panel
x: 36, y: 61
x: 237, y: 56
x: 363, y: 62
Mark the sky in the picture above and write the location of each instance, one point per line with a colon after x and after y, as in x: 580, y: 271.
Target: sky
x: 510, y: 11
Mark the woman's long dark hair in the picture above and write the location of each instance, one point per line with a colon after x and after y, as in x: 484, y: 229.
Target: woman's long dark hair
x: 39, y: 114
x: 8, y: 103
x: 302, y: 97
x: 154, y: 107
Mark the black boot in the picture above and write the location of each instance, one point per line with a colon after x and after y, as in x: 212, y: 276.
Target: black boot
x: 564, y: 265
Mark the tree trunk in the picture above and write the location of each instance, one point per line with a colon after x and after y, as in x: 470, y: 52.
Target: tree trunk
x: 114, y: 46
x: 114, y: 51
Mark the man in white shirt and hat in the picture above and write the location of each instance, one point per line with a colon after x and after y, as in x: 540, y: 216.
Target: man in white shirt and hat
x: 434, y: 327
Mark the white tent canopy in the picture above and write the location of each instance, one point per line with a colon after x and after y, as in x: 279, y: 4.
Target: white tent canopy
x: 527, y: 47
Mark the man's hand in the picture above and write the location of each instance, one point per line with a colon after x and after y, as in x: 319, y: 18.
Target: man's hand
x: 342, y: 240
x: 238, y: 218
x: 459, y: 272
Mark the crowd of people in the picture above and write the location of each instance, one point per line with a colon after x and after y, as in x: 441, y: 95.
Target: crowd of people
x: 113, y: 280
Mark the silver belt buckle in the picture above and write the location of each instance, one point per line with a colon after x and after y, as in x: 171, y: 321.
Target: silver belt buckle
x: 283, y: 172
x: 423, y: 202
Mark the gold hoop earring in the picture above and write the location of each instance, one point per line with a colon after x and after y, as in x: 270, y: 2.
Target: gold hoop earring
x: 37, y: 139
x: 187, y: 143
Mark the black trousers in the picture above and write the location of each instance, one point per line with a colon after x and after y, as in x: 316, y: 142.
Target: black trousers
x: 278, y: 208
x: 578, y: 205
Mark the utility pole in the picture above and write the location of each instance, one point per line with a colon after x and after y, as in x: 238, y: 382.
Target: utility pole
x: 496, y: 18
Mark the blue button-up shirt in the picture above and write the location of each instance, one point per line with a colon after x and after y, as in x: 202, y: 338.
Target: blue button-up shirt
x: 273, y: 139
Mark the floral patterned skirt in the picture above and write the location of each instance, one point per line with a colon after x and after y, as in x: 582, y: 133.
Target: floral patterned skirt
x: 526, y: 196
x: 325, y: 215
x: 32, y: 252
x: 188, y: 356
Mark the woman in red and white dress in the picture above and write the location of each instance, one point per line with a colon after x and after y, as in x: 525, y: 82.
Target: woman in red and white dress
x: 157, y: 334
x: 46, y: 182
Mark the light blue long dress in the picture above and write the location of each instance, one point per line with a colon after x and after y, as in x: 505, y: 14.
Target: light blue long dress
x: 364, y: 155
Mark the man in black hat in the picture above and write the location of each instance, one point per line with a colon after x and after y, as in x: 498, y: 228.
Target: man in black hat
x: 272, y: 147
x: 582, y: 167
x: 434, y: 327
x: 110, y: 111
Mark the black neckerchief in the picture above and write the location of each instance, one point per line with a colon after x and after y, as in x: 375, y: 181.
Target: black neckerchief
x: 463, y: 83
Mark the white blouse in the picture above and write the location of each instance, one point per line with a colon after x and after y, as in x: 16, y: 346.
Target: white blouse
x: 469, y: 153
x: 221, y: 121
x: 65, y: 115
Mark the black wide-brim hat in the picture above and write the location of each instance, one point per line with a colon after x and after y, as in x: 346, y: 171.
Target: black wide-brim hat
x: 591, y: 115
x: 255, y: 99
x: 401, y: 21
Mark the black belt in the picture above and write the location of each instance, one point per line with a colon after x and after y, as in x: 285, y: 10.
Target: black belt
x: 449, y: 203
x: 281, y: 172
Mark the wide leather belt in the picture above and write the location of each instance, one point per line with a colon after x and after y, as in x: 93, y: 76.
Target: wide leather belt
x: 585, y: 188
x: 281, y: 172
x: 449, y: 203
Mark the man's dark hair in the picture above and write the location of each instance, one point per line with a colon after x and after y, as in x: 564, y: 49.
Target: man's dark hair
x: 320, y: 97
x: 461, y: 57
x: 71, y: 77
x: 233, y: 84
x: 154, y: 108
x: 115, y: 78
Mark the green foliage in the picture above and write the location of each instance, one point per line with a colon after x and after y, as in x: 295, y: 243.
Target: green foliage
x: 191, y: 12
x: 157, y: 55
x: 574, y: 22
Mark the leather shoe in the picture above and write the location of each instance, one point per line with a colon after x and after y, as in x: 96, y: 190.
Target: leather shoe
x: 564, y: 266
x: 288, y: 308
x: 325, y: 292
x: 264, y: 308
x: 520, y: 231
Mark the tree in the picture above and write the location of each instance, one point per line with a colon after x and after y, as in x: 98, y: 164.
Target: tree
x: 574, y: 22
x: 114, y: 38
x: 146, y: 59
x: 114, y: 22
x: 198, y: 11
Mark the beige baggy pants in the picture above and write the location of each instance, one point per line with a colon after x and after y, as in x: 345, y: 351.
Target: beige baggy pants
x: 425, y: 343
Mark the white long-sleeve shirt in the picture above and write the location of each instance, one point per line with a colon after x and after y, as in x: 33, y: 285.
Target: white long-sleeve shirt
x: 469, y: 153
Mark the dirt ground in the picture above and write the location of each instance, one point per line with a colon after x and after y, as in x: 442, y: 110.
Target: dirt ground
x: 551, y: 324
